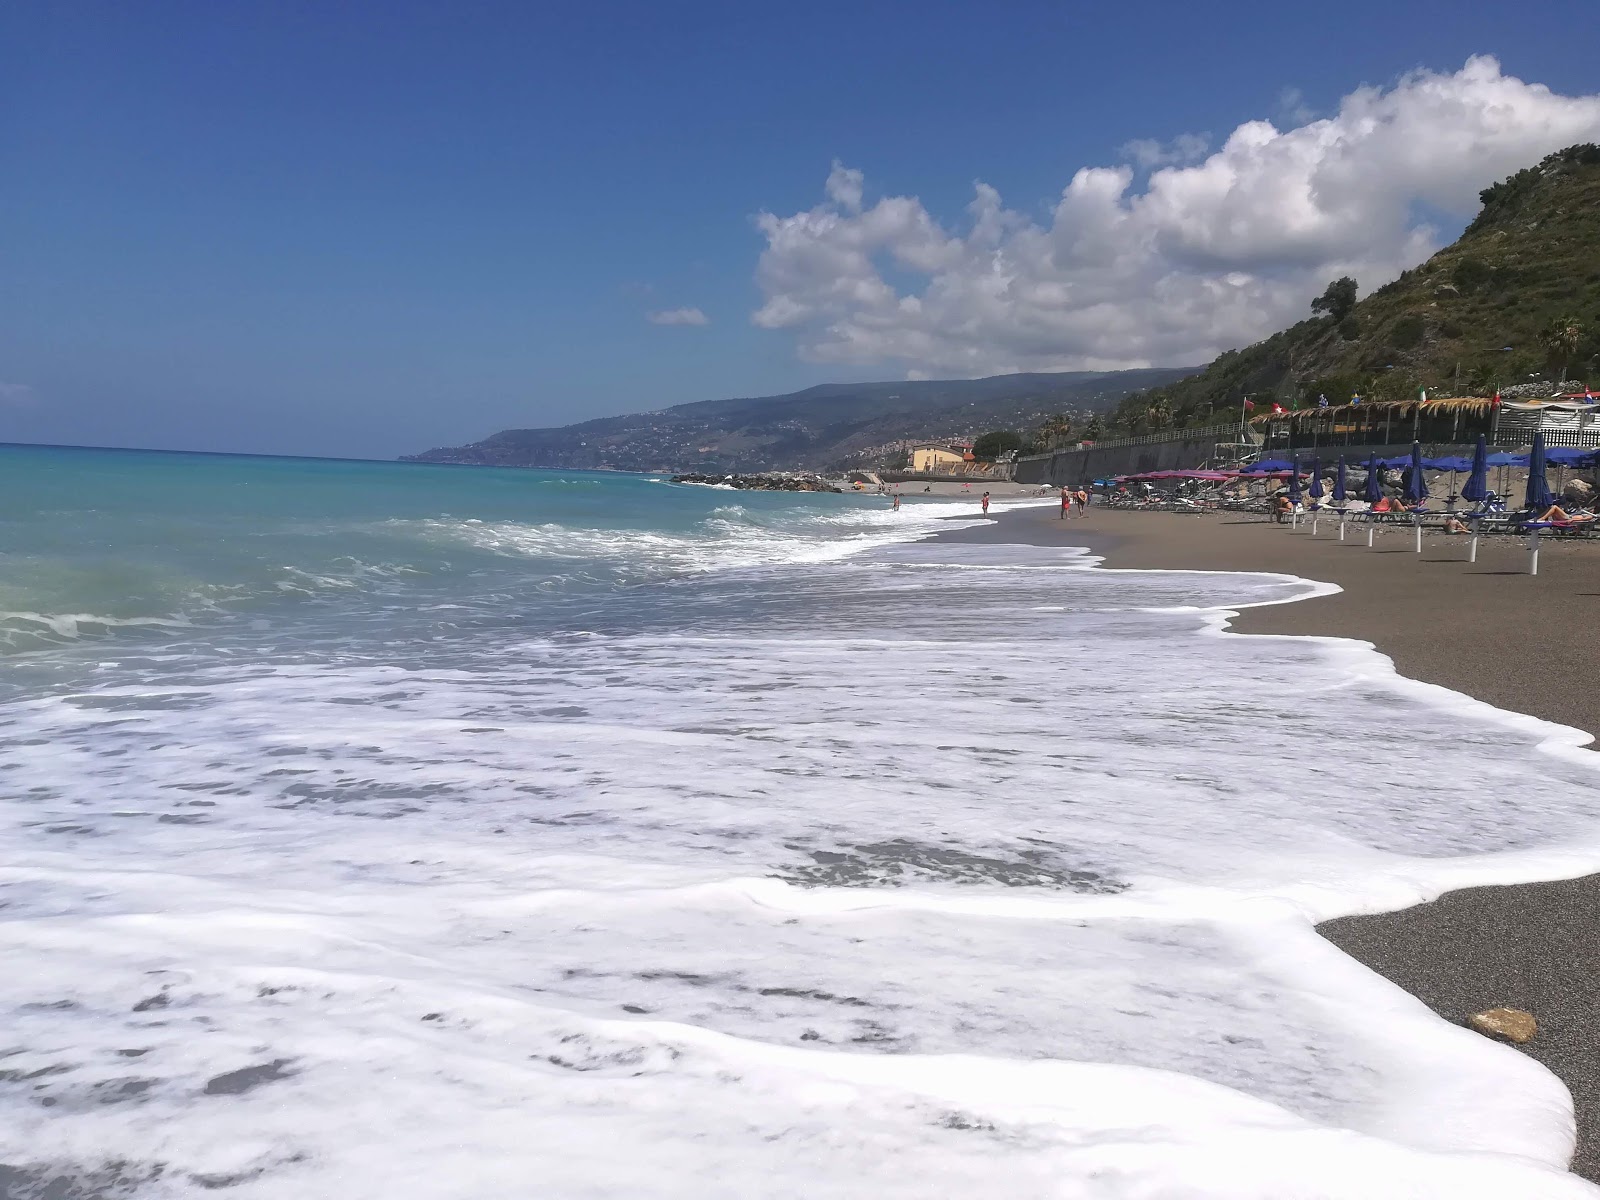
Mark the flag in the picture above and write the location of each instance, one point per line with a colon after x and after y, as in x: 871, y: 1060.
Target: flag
x: 1250, y: 405
x: 1322, y: 402
x: 1424, y: 395
x: 1277, y: 408
x: 1495, y: 403
x: 1356, y: 398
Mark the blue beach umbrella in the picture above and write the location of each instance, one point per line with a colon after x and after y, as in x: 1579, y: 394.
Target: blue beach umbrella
x: 1476, y: 488
x: 1339, y: 494
x: 1416, y: 485
x: 1374, y: 489
x: 1294, y: 481
x: 1317, y: 490
x: 1538, y: 495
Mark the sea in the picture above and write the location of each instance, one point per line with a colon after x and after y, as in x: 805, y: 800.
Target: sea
x: 417, y: 832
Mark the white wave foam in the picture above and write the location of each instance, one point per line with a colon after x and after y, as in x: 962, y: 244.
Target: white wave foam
x: 932, y: 870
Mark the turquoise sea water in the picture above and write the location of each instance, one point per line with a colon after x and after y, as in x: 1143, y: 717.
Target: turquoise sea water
x: 100, y: 540
x: 425, y: 833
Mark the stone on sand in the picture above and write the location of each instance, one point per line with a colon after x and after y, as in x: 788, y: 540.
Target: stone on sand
x: 1512, y: 1023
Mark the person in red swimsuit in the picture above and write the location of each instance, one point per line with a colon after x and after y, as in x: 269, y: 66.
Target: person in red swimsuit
x: 986, y: 503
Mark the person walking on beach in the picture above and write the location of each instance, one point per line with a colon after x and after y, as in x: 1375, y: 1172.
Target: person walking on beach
x: 986, y: 504
x: 1066, y: 501
x: 1082, y: 497
x: 897, y: 502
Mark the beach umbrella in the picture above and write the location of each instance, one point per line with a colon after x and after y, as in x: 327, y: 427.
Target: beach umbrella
x: 1340, y: 495
x: 1416, y: 485
x: 1373, y: 491
x: 1416, y: 489
x: 1538, y: 495
x: 1294, y: 494
x: 1476, y: 488
x: 1317, y: 490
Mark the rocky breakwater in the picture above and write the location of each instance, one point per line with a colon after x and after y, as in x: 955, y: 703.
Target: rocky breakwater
x: 769, y: 482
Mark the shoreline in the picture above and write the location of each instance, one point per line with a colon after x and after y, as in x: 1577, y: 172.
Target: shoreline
x: 1487, y: 630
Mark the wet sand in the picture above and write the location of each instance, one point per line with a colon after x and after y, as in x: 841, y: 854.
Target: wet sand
x: 1488, y: 629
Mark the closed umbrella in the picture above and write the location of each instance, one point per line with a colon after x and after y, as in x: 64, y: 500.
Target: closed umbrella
x: 1294, y: 491
x: 1538, y: 495
x: 1416, y: 485
x: 1340, y: 495
x: 1316, y: 492
x: 1416, y: 489
x: 1373, y: 492
x: 1476, y: 490
x: 1537, y: 498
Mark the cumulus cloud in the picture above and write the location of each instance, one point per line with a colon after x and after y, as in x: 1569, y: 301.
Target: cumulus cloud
x: 678, y: 316
x: 1216, y: 250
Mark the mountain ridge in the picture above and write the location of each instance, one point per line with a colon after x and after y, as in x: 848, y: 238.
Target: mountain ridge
x: 827, y: 425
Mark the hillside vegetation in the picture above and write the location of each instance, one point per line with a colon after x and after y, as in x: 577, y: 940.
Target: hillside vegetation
x: 1514, y: 301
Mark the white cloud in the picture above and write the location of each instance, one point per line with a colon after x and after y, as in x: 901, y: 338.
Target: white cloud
x: 19, y: 394
x: 678, y: 316
x: 1210, y: 254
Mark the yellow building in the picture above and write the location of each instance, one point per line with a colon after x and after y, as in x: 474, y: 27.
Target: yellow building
x: 935, y: 458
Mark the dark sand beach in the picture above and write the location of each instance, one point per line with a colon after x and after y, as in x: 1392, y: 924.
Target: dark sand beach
x: 1487, y: 629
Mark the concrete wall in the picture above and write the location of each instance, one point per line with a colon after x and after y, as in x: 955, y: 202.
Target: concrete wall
x: 1178, y: 453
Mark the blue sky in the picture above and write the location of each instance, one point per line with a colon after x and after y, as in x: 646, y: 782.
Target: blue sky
x: 371, y: 229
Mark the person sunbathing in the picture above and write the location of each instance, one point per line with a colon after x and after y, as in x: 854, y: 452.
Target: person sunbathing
x: 1383, y: 505
x: 1454, y: 524
x: 1556, y: 515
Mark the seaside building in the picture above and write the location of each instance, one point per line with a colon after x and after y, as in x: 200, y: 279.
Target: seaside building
x: 932, y: 458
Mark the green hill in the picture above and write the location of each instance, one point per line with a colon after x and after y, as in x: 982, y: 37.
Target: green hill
x: 1480, y: 315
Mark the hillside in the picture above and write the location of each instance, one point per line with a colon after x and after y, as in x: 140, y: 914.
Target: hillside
x: 827, y: 426
x: 1475, y: 317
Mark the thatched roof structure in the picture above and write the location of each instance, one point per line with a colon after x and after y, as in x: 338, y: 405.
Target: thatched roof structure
x: 1477, y: 406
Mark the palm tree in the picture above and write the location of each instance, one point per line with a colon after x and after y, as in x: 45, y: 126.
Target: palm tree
x: 1054, y: 430
x: 1092, y: 431
x: 1561, y: 338
x: 1159, y: 415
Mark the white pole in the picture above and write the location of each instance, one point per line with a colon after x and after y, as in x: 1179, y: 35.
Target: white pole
x: 1314, y: 514
x: 1341, y: 527
x: 1369, y: 530
x: 1417, y: 521
x: 1472, y: 547
x: 1533, y: 552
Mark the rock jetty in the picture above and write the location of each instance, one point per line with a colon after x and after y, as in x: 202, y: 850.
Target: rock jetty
x: 769, y: 482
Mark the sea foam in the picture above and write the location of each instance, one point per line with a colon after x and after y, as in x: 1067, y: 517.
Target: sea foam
x: 927, y: 870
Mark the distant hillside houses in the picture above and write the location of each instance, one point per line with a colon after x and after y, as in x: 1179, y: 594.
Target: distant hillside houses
x: 940, y: 457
